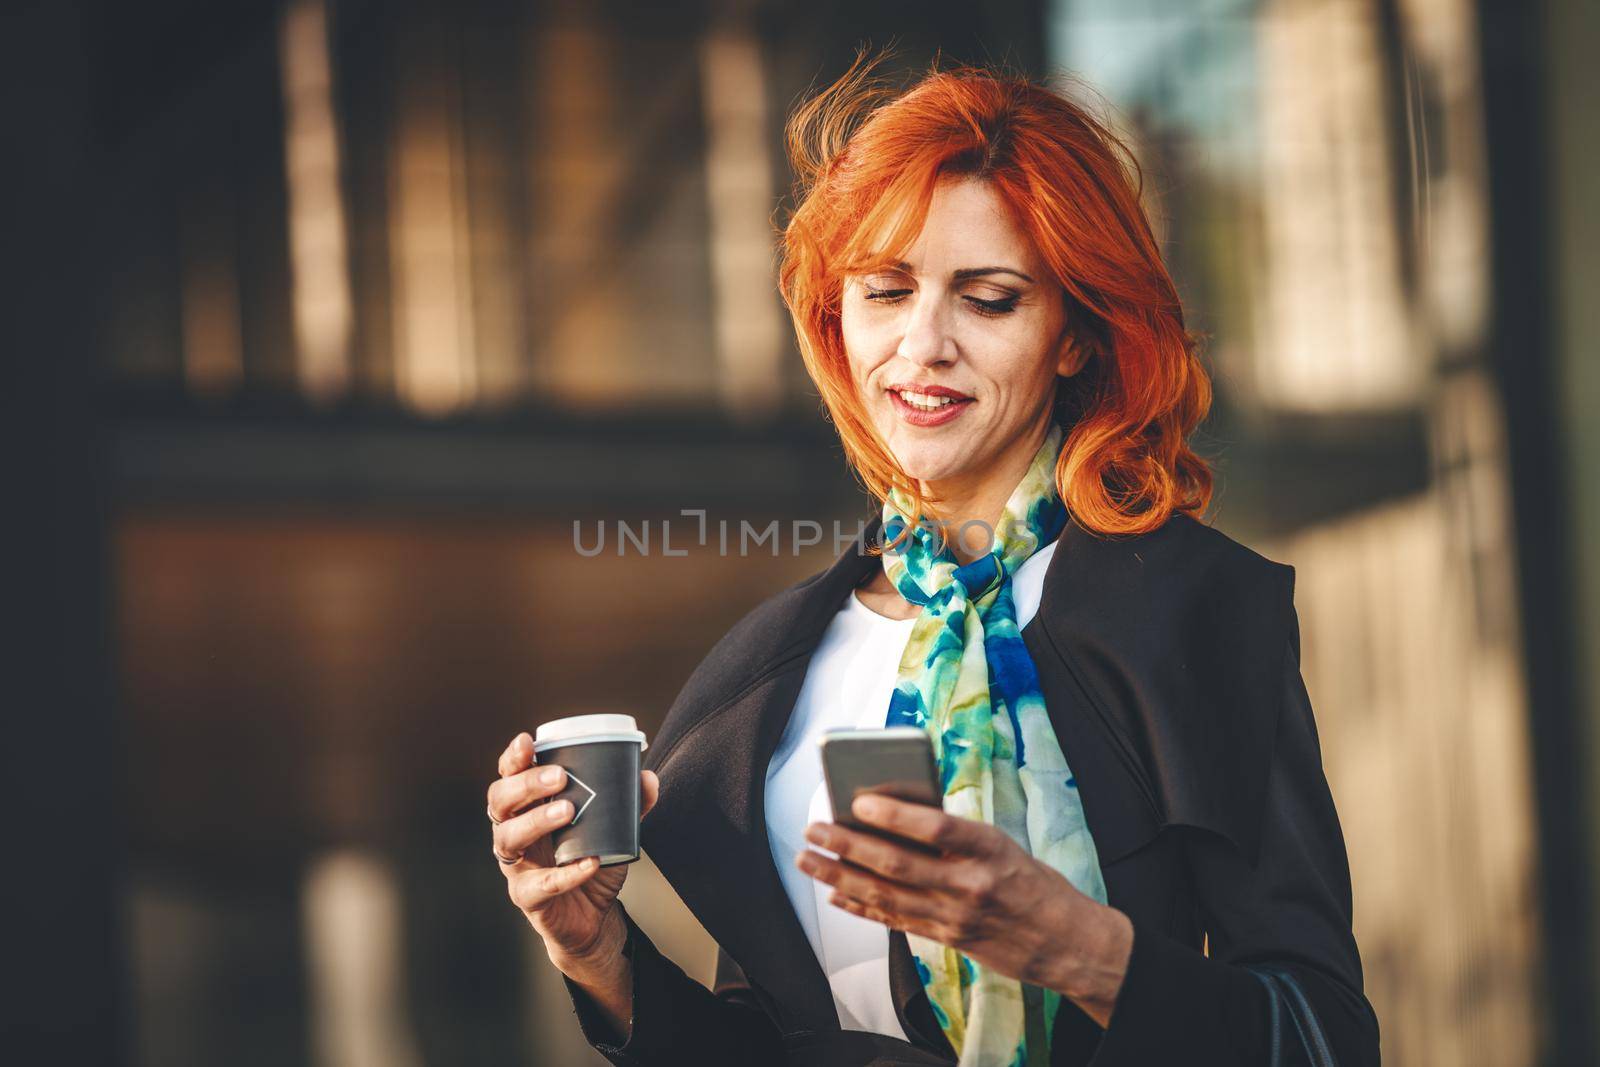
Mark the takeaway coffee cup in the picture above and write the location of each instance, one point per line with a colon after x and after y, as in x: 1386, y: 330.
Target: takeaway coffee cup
x: 600, y: 754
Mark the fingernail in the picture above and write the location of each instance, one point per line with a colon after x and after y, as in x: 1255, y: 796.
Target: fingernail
x: 866, y: 807
x: 806, y: 862
x: 560, y: 810
x: 818, y: 834
x: 550, y: 776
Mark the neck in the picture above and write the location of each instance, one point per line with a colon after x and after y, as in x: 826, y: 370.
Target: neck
x: 981, y: 495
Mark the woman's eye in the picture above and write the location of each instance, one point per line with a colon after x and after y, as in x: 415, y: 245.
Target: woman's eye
x: 1001, y: 306
x: 997, y: 306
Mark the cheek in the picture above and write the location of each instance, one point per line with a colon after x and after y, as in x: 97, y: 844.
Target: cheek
x: 1020, y: 352
x: 864, y: 347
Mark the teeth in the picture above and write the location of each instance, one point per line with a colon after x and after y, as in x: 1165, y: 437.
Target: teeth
x: 926, y: 403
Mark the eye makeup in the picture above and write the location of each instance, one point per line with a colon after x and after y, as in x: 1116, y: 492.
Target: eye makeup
x: 999, y: 306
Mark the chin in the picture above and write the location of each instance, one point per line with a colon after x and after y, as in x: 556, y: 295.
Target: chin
x: 933, y: 462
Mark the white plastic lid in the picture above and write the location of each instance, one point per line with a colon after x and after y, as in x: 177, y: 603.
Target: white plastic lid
x: 581, y: 729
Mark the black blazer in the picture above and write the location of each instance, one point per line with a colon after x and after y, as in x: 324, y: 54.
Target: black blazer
x: 1169, y: 663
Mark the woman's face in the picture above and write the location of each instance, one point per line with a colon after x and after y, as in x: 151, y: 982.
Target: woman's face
x: 955, y: 353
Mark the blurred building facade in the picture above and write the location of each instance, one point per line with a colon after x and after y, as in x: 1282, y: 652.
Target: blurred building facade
x: 395, y: 298
x: 1320, y: 173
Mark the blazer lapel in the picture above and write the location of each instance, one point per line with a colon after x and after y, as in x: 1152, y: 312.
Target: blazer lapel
x: 708, y: 831
x: 911, y: 1000
x: 1173, y: 641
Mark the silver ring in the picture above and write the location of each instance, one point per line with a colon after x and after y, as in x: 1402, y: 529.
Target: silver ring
x: 490, y: 810
x: 503, y: 861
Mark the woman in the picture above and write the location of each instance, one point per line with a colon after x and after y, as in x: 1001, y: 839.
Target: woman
x: 1138, y: 860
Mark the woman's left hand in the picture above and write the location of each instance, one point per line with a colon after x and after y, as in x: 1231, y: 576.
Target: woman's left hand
x: 981, y: 894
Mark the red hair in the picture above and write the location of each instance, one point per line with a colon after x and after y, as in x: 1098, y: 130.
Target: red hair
x: 867, y: 159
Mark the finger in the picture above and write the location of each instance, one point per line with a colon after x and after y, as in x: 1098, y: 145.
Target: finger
x: 521, y: 833
x: 880, y: 893
x: 845, y: 902
x: 932, y: 929
x: 518, y: 755
x: 508, y: 796
x: 650, y: 786
x: 531, y: 888
x: 896, y: 862
x: 948, y: 833
x: 509, y: 763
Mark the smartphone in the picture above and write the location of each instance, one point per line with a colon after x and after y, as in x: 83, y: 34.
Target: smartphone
x: 896, y: 761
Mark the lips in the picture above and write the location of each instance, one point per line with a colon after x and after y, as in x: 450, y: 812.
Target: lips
x: 928, y: 390
x: 928, y: 405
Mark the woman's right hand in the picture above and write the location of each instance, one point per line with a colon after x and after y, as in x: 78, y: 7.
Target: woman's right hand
x: 572, y: 906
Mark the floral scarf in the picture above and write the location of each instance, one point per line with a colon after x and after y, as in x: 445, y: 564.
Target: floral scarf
x: 967, y: 678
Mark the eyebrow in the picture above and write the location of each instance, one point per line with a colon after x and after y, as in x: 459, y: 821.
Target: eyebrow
x: 971, y: 272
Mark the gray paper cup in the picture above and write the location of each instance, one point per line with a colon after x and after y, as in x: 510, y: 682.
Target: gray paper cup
x: 601, y: 756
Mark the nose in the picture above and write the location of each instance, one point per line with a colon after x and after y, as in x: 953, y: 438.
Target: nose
x: 926, y: 341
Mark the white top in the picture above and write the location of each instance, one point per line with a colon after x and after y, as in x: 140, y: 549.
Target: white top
x: 847, y: 685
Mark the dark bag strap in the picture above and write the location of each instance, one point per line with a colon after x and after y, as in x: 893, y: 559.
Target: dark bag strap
x: 1286, y: 997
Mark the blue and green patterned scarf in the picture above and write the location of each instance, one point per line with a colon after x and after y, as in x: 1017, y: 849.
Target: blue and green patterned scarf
x: 966, y: 677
